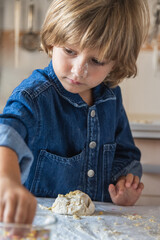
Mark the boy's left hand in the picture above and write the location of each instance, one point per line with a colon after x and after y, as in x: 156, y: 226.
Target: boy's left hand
x: 126, y: 191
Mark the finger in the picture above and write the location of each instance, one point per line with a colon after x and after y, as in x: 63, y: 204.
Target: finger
x: 21, y: 211
x: 129, y: 180
x: 140, y: 187
x: 112, y: 190
x: 135, y: 183
x: 32, y: 211
x: 120, y: 185
x: 1, y: 210
x: 9, y: 210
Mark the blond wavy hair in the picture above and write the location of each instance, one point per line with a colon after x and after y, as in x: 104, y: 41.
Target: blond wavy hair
x: 117, y: 28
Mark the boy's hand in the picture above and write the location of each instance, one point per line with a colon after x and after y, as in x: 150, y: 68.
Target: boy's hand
x: 17, y: 204
x: 126, y: 191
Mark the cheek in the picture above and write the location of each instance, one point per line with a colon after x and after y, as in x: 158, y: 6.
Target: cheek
x: 64, y: 65
x: 100, y: 75
x: 59, y: 66
x: 105, y: 72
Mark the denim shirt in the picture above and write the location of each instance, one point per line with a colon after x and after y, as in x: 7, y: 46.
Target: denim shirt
x: 62, y: 143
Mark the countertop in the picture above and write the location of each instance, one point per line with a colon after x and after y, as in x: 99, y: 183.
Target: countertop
x: 108, y: 222
x: 145, y: 130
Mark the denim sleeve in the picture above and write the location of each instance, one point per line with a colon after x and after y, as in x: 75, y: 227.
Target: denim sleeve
x: 9, y: 137
x: 127, y: 155
x: 134, y: 167
x: 19, y: 123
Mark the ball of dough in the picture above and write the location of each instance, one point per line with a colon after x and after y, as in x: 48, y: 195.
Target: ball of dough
x: 74, y: 203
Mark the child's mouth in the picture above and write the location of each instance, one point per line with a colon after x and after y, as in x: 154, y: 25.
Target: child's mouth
x: 73, y: 81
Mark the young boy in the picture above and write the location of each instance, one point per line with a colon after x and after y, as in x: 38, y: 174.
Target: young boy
x: 64, y: 128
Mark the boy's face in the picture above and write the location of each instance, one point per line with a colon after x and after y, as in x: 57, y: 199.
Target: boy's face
x: 79, y: 71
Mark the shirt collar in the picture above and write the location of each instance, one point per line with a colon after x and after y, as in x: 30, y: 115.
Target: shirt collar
x: 101, y: 93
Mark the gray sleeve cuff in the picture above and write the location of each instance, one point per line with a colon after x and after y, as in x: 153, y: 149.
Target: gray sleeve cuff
x: 9, y: 137
x: 135, y: 168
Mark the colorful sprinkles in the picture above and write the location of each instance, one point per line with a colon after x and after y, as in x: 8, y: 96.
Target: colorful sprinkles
x: 32, y: 235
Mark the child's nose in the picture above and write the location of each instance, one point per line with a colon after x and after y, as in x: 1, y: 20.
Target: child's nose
x: 80, y: 69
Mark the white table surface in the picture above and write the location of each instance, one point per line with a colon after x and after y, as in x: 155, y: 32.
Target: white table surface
x: 108, y: 222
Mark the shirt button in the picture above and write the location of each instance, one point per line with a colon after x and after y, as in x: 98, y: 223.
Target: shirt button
x: 93, y: 113
x: 90, y: 173
x: 92, y: 144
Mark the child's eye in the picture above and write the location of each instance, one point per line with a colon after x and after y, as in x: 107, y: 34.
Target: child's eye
x: 69, y: 51
x: 95, y: 61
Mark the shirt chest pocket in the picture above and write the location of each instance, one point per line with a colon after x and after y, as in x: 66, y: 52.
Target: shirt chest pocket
x: 108, y: 158
x: 58, y: 175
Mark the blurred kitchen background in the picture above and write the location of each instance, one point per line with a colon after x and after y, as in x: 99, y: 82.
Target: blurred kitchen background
x: 20, y: 23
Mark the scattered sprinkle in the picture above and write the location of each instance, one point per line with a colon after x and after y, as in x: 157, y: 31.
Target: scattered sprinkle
x: 76, y: 217
x: 101, y: 213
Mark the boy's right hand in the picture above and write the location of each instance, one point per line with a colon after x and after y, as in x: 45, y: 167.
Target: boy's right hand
x: 17, y: 204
